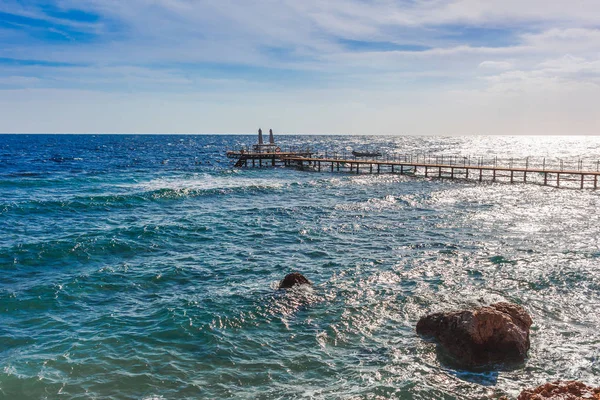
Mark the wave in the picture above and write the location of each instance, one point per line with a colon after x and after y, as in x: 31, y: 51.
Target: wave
x: 373, y: 204
x: 61, y: 159
x: 27, y: 174
x: 63, y: 252
x: 152, y: 191
x: 118, y: 242
x: 208, y: 183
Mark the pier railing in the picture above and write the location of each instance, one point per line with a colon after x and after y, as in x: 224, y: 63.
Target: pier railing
x: 543, y: 170
x: 535, y: 163
x: 457, y: 160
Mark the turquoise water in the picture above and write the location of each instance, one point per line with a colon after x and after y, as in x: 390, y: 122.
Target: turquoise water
x: 145, y: 267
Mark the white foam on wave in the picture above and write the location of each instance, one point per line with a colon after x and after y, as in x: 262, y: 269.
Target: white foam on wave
x: 205, y: 182
x: 368, y: 179
x: 372, y: 204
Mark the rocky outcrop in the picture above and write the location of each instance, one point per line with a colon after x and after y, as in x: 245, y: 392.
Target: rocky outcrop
x: 493, y: 334
x: 293, y: 279
x: 571, y: 390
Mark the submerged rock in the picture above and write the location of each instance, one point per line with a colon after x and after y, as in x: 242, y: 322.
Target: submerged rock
x: 492, y: 334
x: 293, y: 279
x: 570, y: 390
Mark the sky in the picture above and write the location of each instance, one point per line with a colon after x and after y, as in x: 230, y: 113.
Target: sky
x: 431, y: 67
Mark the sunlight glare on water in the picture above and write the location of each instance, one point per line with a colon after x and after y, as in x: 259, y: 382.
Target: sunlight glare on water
x: 128, y: 277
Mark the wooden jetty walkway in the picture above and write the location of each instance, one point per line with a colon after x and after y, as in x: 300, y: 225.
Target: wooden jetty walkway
x: 468, y: 171
x: 425, y: 165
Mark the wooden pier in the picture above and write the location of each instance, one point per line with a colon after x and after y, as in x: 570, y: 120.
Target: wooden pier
x: 579, y: 178
x: 424, y: 165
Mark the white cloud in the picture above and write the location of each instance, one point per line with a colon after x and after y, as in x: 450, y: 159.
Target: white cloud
x: 496, y: 65
x: 554, y: 75
x: 508, y: 12
x: 551, y: 52
x: 572, y: 40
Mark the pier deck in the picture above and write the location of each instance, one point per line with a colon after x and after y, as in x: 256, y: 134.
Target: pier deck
x: 429, y: 165
x: 546, y: 176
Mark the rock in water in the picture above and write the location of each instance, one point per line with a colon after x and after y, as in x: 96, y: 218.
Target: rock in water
x: 293, y: 279
x: 487, y: 335
x: 571, y: 390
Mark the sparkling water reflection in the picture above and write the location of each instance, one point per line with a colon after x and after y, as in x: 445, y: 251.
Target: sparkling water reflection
x: 128, y: 277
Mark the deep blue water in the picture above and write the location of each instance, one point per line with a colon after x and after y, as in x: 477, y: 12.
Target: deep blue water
x: 145, y: 267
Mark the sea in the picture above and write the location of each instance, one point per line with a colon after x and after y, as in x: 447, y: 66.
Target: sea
x: 146, y: 267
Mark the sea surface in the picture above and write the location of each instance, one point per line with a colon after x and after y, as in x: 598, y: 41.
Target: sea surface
x: 146, y: 267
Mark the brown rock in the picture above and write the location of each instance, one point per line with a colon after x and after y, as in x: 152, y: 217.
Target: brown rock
x: 493, y: 334
x: 293, y: 279
x: 570, y: 390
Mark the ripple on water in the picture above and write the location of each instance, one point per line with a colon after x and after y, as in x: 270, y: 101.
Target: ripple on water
x: 145, y: 280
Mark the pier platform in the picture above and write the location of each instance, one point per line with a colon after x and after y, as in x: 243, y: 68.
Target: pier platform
x: 265, y: 158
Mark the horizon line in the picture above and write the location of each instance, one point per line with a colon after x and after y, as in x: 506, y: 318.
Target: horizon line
x: 297, y: 134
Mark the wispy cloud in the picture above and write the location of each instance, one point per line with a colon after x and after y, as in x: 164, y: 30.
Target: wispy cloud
x: 496, y: 65
x: 300, y: 52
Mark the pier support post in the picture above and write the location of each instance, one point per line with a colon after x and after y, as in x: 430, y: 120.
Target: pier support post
x: 525, y: 176
x: 545, y: 178
x: 246, y: 163
x: 440, y: 172
x: 466, y: 173
x: 582, y: 177
x: 378, y: 168
x: 338, y: 166
x: 480, y: 174
x: 451, y: 173
x: 392, y: 168
x: 558, y: 179
x: 402, y: 170
x: 512, y: 176
x: 319, y: 166
x: 260, y: 162
x: 370, y: 168
x: 332, y: 166
x: 494, y: 177
x: 273, y: 161
x: 595, y: 181
x: 357, y: 168
x: 426, y: 172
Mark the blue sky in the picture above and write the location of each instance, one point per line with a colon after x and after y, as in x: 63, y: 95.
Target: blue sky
x: 340, y: 66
